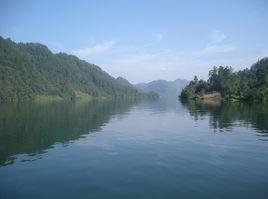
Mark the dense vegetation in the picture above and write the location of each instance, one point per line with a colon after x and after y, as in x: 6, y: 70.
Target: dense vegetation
x: 245, y: 85
x: 32, y: 71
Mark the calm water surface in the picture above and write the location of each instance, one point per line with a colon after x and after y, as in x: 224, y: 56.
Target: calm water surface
x: 127, y: 149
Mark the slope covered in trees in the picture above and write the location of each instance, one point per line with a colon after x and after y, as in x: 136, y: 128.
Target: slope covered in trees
x: 245, y: 85
x: 31, y: 70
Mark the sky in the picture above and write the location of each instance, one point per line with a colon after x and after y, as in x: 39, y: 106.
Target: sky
x: 144, y: 40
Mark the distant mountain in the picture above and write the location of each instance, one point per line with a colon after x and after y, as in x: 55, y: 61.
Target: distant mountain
x: 32, y: 71
x: 124, y: 82
x: 163, y: 88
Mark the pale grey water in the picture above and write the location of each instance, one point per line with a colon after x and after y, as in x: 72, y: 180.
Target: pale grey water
x: 127, y: 149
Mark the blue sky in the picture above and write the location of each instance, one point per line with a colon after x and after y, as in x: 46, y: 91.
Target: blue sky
x: 144, y: 40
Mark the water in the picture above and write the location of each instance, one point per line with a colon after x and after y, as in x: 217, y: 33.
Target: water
x: 130, y: 149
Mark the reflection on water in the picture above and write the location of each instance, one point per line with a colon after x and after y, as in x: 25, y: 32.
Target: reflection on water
x: 224, y: 116
x: 31, y: 128
x: 129, y: 149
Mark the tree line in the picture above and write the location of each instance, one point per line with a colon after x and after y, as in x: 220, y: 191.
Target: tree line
x: 250, y: 84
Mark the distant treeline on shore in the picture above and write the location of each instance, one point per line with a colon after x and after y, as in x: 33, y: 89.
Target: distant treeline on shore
x: 250, y: 84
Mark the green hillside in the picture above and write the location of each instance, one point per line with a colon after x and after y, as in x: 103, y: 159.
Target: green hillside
x: 32, y: 71
x: 245, y: 85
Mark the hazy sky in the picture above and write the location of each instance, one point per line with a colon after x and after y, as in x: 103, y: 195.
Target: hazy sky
x: 147, y: 39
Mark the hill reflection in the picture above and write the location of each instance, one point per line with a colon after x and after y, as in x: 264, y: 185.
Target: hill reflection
x: 31, y: 128
x: 224, y: 116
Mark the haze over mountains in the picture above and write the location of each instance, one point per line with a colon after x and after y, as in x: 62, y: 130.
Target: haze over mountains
x: 164, y: 88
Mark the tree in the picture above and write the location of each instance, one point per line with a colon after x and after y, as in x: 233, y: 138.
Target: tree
x: 247, y: 85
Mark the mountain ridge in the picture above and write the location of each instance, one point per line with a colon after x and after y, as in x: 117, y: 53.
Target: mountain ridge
x: 32, y: 71
x: 163, y: 87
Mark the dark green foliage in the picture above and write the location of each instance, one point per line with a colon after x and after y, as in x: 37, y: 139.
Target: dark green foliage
x: 194, y: 89
x: 246, y: 85
x: 31, y: 69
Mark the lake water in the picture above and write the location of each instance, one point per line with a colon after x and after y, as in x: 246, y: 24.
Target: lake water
x: 133, y: 149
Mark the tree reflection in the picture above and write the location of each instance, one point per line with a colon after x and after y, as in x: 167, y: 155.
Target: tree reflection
x: 31, y: 128
x: 224, y: 116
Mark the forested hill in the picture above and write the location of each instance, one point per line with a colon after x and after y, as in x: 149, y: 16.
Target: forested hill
x: 245, y: 85
x: 32, y: 71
